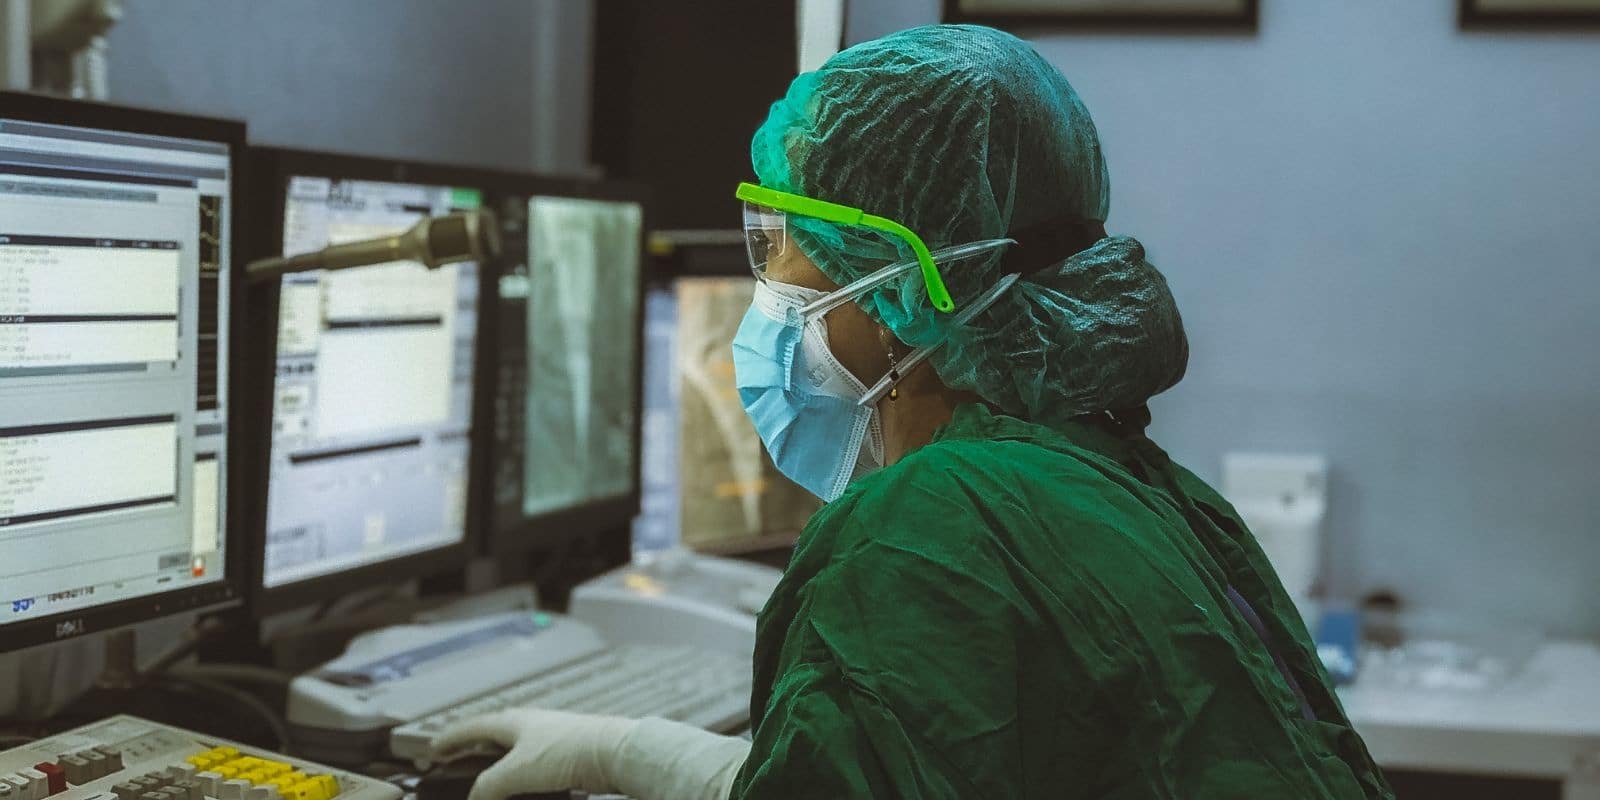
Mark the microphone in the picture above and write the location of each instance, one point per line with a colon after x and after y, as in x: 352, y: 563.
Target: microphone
x: 434, y: 241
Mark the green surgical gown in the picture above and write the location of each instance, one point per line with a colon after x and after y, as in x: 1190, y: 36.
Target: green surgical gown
x: 1019, y: 611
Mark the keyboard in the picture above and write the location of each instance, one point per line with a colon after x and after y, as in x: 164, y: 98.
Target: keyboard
x: 707, y: 689
x: 128, y: 758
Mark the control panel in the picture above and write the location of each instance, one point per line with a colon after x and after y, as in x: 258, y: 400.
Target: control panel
x: 133, y: 759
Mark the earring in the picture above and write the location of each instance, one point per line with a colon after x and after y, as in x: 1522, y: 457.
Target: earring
x: 894, y: 377
x: 887, y: 341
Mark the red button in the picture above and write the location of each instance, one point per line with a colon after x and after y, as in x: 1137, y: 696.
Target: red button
x: 57, y: 776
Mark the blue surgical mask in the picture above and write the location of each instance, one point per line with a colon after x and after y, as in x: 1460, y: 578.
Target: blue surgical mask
x: 806, y: 406
x: 818, y: 421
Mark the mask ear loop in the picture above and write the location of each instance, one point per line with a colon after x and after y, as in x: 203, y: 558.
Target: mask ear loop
x: 851, y: 291
x: 919, y: 355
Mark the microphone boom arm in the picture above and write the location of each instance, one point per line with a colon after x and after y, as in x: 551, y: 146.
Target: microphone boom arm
x: 433, y: 242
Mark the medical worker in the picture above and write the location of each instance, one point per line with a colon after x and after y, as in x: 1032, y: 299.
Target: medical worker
x: 1012, y: 591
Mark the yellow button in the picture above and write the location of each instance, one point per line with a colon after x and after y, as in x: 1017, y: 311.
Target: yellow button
x: 230, y: 752
x: 200, y: 760
x: 229, y: 770
x: 255, y: 776
x: 329, y: 784
x: 291, y: 792
x: 276, y: 768
x: 310, y: 790
x: 288, y: 781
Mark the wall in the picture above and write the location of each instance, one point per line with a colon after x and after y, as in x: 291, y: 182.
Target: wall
x: 418, y: 79
x: 1383, y: 235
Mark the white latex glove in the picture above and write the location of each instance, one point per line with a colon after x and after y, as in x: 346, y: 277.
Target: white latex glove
x: 548, y: 751
x: 650, y: 759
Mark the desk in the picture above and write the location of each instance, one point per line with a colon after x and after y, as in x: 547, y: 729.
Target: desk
x: 1544, y: 723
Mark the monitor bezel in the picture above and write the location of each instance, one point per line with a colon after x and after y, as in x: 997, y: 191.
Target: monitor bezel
x: 230, y: 590
x: 553, y: 531
x: 271, y: 169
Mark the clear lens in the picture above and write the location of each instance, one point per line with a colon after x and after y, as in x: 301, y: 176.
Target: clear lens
x: 765, y: 236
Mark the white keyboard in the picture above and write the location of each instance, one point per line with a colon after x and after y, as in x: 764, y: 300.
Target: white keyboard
x: 707, y: 689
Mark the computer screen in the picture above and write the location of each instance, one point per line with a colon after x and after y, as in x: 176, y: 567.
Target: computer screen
x: 373, y: 392
x: 114, y: 308
x: 567, y: 399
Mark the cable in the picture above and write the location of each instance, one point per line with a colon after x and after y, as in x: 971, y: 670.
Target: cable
x: 237, y: 673
x: 359, y: 604
x: 279, y: 728
x: 354, y: 602
x: 322, y: 610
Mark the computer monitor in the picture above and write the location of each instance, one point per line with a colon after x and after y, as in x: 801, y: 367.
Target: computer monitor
x: 368, y: 473
x: 565, y: 450
x: 116, y: 295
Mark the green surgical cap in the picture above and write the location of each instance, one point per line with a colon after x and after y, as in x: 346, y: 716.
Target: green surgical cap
x: 963, y: 133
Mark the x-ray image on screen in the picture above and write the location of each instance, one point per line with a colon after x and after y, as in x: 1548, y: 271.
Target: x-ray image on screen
x: 582, y: 349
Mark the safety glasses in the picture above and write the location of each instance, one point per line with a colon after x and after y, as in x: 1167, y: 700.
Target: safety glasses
x: 766, y: 234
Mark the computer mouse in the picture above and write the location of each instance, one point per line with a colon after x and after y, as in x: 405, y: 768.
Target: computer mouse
x: 452, y: 779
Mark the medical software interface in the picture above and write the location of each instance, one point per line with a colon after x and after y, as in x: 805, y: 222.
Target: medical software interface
x: 113, y: 368
x: 576, y: 392
x: 373, y: 391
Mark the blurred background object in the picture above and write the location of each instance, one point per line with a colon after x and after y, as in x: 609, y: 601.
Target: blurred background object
x: 1545, y: 14
x: 70, y: 46
x: 1160, y: 15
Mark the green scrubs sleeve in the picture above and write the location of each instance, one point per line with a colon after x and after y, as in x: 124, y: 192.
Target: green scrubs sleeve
x: 882, y: 685
x: 827, y: 735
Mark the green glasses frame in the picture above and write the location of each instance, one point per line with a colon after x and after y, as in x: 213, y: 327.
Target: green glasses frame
x: 845, y: 215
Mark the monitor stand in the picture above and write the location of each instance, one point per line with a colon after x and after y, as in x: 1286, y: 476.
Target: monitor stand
x: 120, y: 669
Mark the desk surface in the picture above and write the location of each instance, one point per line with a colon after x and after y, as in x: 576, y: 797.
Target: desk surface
x: 1544, y: 722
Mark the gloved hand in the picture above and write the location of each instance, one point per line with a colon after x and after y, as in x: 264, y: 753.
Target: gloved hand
x: 649, y: 759
x: 548, y: 751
